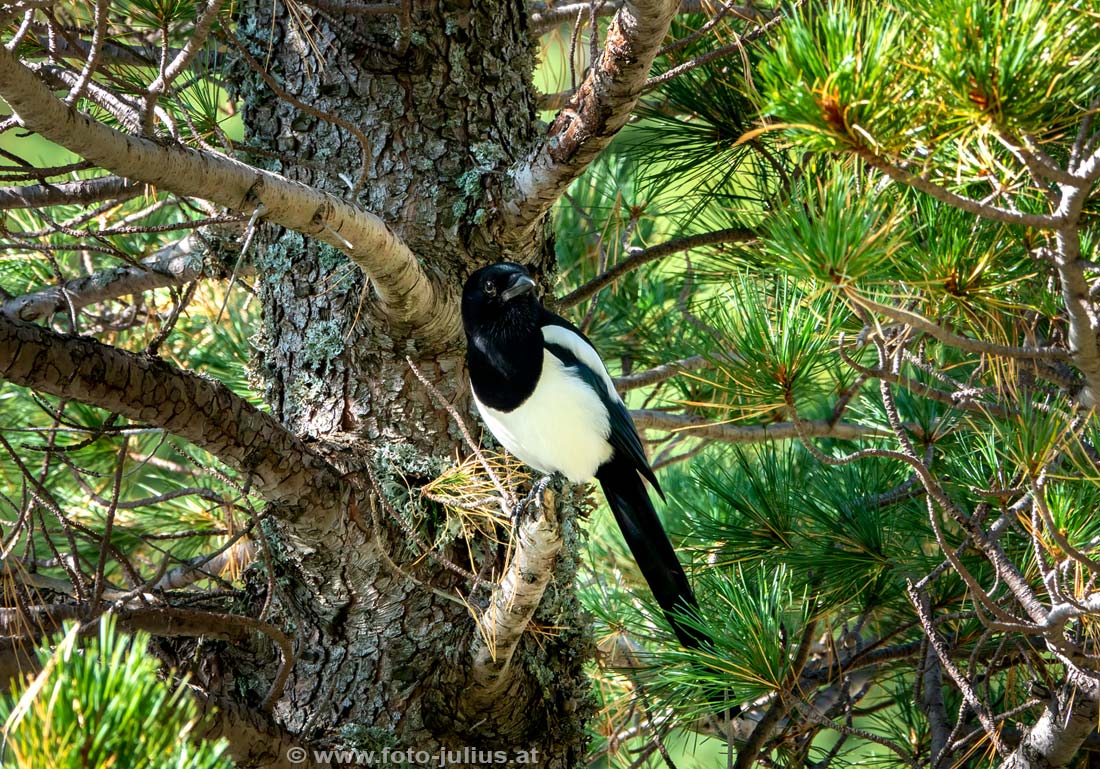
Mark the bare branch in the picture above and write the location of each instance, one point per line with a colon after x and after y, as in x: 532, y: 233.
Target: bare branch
x: 1063, y: 727
x: 917, y: 321
x: 68, y: 193
x: 537, y: 543
x: 698, y: 427
x: 586, y: 125
x: 90, y: 64
x: 1084, y: 326
x: 180, y: 61
x: 199, y: 410
x: 939, y: 647
x: 407, y: 294
x: 944, y: 195
x: 659, y: 373
x: 640, y: 257
x: 173, y: 265
x: 931, y: 701
x: 254, y: 738
x: 238, y: 553
x: 169, y: 622
x: 544, y: 17
x: 737, y: 46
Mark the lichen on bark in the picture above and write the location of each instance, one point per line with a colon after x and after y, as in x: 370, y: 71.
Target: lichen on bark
x: 384, y: 637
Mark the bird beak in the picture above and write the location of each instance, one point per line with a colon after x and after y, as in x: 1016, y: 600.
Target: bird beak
x: 520, y: 284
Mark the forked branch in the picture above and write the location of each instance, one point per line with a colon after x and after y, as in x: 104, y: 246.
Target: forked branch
x: 600, y: 107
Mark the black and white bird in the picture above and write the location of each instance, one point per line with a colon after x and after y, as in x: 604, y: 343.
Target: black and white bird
x: 546, y: 396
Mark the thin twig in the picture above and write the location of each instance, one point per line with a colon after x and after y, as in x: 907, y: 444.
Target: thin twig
x: 641, y: 257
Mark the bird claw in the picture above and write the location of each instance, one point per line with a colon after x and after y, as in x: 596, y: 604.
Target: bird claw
x: 534, y: 496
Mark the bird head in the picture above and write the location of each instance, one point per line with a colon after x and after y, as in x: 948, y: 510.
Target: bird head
x: 502, y: 298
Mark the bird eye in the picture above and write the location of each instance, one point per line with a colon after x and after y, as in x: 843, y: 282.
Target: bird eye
x: 489, y: 288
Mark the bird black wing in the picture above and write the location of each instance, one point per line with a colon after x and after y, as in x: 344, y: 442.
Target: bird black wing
x: 624, y: 437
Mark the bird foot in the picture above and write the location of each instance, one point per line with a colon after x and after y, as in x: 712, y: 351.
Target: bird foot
x: 535, y: 495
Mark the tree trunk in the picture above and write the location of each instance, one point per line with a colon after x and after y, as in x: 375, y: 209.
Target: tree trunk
x: 383, y: 640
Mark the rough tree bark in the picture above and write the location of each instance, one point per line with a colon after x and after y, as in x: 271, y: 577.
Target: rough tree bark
x: 385, y: 653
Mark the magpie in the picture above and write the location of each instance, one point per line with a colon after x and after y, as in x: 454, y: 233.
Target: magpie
x: 546, y: 396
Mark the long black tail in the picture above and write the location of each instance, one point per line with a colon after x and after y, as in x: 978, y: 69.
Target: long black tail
x: 627, y: 497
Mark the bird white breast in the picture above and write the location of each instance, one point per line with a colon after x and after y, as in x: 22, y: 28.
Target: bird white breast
x: 562, y: 427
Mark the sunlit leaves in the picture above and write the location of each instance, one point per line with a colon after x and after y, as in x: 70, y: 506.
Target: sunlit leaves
x: 1035, y: 434
x: 158, y: 14
x: 976, y: 274
x: 914, y: 77
x: 1072, y: 505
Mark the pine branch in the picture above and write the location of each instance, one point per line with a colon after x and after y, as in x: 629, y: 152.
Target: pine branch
x: 737, y: 46
x: 544, y: 17
x: 979, y: 346
x: 944, y: 195
x: 174, y: 265
x: 538, y: 540
x: 205, y: 412
x: 659, y: 373
x: 698, y: 427
x: 651, y: 254
x: 747, y: 756
x: 601, y: 106
x: 407, y: 294
x: 80, y: 192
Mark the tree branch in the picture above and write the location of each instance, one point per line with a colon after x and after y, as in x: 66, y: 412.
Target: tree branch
x: 170, y: 622
x: 68, y: 193
x: 979, y: 346
x: 1065, y: 723
x: 1084, y: 326
x: 698, y: 427
x: 645, y: 256
x: 205, y: 412
x: 174, y: 265
x: 659, y: 373
x: 586, y: 125
x: 748, y: 754
x: 932, y: 704
x: 407, y: 294
x: 944, y: 195
x: 255, y: 740
x: 538, y: 540
x: 544, y: 18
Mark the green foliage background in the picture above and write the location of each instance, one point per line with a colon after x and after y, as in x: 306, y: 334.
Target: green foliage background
x: 100, y: 701
x: 794, y: 136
